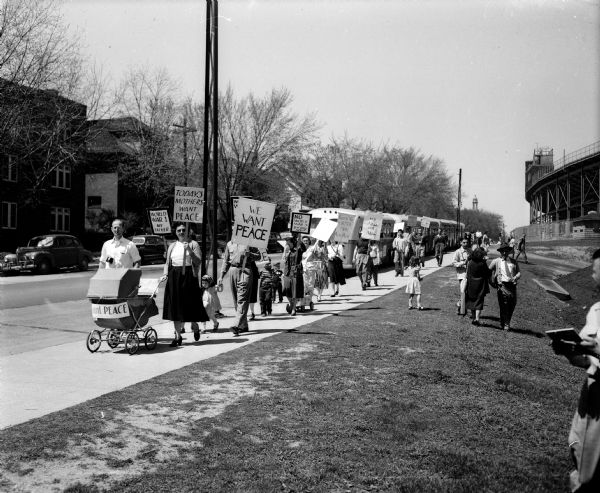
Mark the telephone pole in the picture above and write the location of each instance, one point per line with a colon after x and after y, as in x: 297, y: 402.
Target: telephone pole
x: 211, y: 124
x: 458, y: 202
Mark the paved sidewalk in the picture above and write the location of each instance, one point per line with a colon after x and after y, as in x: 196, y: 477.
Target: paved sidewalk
x: 38, y: 382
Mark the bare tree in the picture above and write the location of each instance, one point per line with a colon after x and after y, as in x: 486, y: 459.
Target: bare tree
x: 256, y: 136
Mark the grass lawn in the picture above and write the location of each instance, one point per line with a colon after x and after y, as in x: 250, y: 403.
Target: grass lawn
x: 378, y: 398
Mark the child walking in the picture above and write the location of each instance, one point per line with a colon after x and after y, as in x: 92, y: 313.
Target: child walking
x: 276, y: 287
x: 265, y: 290
x: 413, y: 288
x: 210, y: 300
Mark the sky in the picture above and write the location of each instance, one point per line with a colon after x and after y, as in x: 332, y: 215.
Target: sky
x: 479, y: 84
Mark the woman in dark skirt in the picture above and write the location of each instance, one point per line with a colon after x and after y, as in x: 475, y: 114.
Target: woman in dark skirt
x: 253, y: 287
x: 335, y: 267
x: 478, y: 275
x: 293, y: 281
x: 183, y: 296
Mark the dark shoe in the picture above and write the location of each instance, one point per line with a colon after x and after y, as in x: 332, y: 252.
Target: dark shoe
x: 293, y: 313
x: 252, y: 316
x: 337, y: 292
x: 333, y: 295
x: 243, y: 330
x: 182, y: 330
x: 219, y: 315
x: 411, y: 307
x: 475, y: 322
x: 376, y: 284
x: 196, y: 335
x: 420, y: 308
x: 364, y: 287
x: 180, y: 341
x: 235, y: 330
x: 174, y: 343
x: 216, y: 327
x: 264, y: 314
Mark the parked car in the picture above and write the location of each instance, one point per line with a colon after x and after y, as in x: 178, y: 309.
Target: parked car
x: 46, y: 253
x: 151, y: 248
x: 274, y: 245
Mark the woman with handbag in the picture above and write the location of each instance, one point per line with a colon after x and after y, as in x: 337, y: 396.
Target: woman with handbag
x: 477, y: 287
x: 182, y: 291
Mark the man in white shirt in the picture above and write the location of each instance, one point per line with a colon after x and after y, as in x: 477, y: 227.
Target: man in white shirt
x: 505, y: 273
x: 459, y: 261
x: 119, y: 253
x: 399, y: 244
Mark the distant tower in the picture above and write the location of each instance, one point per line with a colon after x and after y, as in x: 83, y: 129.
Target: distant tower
x: 475, y: 202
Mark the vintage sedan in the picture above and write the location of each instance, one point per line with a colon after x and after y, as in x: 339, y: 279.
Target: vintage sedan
x: 46, y: 253
x: 150, y: 247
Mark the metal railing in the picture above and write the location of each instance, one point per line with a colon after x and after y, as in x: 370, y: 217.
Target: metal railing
x: 568, y: 160
x: 576, y: 156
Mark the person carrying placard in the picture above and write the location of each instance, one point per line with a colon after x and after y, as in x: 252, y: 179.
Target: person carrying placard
x: 236, y: 261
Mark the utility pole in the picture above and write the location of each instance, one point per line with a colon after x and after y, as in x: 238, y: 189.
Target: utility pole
x: 185, y: 130
x: 211, y: 109
x: 458, y: 202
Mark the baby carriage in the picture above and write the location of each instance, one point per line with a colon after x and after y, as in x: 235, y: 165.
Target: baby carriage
x: 122, y: 306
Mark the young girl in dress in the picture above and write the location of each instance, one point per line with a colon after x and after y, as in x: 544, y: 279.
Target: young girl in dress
x: 210, y: 300
x: 413, y: 288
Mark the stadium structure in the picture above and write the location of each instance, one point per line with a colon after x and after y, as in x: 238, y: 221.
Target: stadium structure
x: 563, y: 194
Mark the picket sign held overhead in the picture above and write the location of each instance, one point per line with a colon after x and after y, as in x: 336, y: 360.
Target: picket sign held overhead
x: 188, y: 205
x: 160, y: 221
x: 324, y: 229
x: 252, y: 221
x: 425, y: 222
x: 399, y: 226
x: 347, y: 226
x: 300, y: 223
x: 372, y: 224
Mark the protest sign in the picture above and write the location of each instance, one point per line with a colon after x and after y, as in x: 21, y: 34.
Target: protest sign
x: 300, y: 223
x: 252, y: 222
x: 324, y: 229
x: 425, y: 222
x: 411, y: 221
x: 347, y: 225
x: 372, y: 224
x: 399, y: 226
x: 160, y: 221
x: 188, y: 204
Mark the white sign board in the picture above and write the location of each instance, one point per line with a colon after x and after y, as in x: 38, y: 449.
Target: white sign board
x: 372, y: 224
x: 324, y: 229
x: 252, y: 220
x: 425, y: 222
x: 120, y: 310
x: 188, y: 204
x: 160, y: 222
x: 300, y: 223
x: 346, y: 228
x: 399, y: 226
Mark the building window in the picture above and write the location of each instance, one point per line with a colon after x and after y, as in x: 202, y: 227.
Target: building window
x: 62, y: 176
x: 9, y: 168
x: 60, y: 219
x: 94, y: 201
x: 9, y: 215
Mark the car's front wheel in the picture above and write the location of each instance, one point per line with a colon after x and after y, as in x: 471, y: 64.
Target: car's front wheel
x: 83, y: 264
x: 44, y: 267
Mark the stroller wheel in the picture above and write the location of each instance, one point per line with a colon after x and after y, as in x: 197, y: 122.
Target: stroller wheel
x: 113, y: 339
x: 150, y: 338
x: 288, y: 308
x: 132, y: 343
x: 93, y: 341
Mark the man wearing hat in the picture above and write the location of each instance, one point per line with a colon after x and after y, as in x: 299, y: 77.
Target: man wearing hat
x: 505, y: 274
